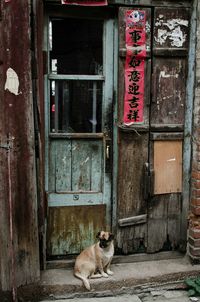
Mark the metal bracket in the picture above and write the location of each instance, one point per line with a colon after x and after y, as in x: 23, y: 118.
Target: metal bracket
x: 5, y: 146
x: 8, y: 145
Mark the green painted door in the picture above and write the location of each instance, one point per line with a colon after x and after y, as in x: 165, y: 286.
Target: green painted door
x: 78, y: 131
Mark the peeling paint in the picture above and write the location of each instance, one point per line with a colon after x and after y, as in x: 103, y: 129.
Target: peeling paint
x: 172, y: 159
x: 64, y: 160
x: 148, y: 27
x: 12, y: 82
x: 173, y: 31
x: 163, y: 74
x: 85, y: 161
x: 177, y: 37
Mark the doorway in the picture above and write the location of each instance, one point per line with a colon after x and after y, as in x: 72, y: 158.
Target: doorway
x: 79, y: 130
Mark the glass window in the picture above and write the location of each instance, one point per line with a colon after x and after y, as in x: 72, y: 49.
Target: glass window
x: 76, y: 53
x: 75, y: 106
x: 76, y: 46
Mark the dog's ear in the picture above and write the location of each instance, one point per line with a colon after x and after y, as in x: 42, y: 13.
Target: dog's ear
x: 111, y: 236
x: 98, y: 235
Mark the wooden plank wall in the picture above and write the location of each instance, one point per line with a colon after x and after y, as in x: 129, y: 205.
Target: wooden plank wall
x: 19, y: 251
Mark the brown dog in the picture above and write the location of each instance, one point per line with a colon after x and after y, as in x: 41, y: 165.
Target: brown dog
x: 94, y: 261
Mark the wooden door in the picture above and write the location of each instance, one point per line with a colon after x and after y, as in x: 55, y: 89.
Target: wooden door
x: 167, y: 116
x: 79, y: 132
x: 150, y: 147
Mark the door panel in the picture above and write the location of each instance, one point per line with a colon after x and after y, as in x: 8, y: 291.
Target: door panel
x: 133, y: 153
x: 150, y: 153
x: 169, y: 86
x: 72, y: 165
x: 87, y: 166
x: 63, y: 166
x: 71, y: 229
x: 164, y: 215
x: 170, y: 48
x: 133, y: 142
x: 79, y: 132
x: 171, y: 29
x: 167, y: 167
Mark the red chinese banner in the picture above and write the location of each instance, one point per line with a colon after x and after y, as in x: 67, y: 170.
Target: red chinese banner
x: 135, y: 66
x: 85, y: 2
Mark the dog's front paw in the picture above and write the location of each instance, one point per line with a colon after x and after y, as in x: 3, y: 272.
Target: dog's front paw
x: 104, y: 275
x: 109, y: 272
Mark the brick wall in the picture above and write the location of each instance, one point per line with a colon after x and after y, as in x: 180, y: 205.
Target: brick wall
x: 194, y: 218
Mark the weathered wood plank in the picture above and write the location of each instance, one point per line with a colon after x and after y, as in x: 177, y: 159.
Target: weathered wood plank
x: 174, y: 221
x: 63, y: 163
x: 52, y: 167
x: 166, y: 136
x: 169, y: 82
x: 81, y: 169
x: 132, y: 220
x: 157, y: 223
x: 76, y: 135
x: 21, y: 194
x: 38, y: 99
x: 5, y: 276
x: 85, y: 156
x: 164, y: 223
x: 74, y: 199
x: 96, y: 166
x: 133, y: 152
x: 71, y: 229
x: 167, y: 22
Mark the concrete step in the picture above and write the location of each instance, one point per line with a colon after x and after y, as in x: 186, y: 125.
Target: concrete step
x: 69, y: 261
x: 128, y: 278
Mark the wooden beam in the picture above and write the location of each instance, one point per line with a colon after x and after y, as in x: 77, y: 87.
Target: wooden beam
x: 132, y: 220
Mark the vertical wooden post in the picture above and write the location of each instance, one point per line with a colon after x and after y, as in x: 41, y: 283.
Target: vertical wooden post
x: 19, y: 251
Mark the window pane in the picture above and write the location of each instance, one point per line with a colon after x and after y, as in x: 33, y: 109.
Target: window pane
x: 76, y: 46
x: 76, y: 106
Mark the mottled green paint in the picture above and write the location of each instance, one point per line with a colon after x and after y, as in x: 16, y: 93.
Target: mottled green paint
x: 78, y: 186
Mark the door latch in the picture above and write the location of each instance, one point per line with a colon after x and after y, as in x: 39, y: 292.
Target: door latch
x: 107, y: 152
x: 148, y: 181
x: 107, y: 156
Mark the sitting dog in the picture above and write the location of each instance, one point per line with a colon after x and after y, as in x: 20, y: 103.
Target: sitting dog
x: 94, y: 261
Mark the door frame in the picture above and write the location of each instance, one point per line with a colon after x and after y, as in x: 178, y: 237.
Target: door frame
x: 187, y: 129
x: 109, y: 63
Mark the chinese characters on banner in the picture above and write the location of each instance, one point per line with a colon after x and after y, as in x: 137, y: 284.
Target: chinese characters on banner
x: 85, y: 2
x: 135, y: 39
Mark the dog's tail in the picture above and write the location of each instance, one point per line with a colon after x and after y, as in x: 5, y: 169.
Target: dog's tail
x: 84, y: 279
